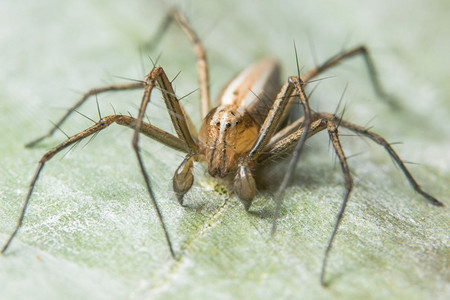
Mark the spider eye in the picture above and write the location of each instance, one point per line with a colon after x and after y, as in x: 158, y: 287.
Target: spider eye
x: 218, y: 123
x: 228, y: 125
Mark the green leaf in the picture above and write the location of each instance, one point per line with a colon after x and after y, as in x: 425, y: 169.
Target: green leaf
x: 90, y: 231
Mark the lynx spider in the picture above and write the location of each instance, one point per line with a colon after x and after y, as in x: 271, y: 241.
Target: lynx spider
x: 244, y: 131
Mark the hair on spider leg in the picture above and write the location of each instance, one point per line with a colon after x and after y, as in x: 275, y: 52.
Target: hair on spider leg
x: 129, y: 79
x: 348, y: 157
x: 187, y: 95
x: 112, y: 106
x: 60, y: 129
x: 396, y: 143
x: 297, y: 63
x: 81, y: 114
x: 155, y: 62
x: 72, y: 148
x: 148, y: 119
x: 91, y: 138
x: 370, y: 121
x: 81, y: 101
x: 167, y: 92
x: 319, y: 79
x: 159, y: 105
x: 341, y: 117
x: 314, y: 88
x: 175, y: 77
x: 98, y: 109
x: 340, y: 102
x: 414, y: 163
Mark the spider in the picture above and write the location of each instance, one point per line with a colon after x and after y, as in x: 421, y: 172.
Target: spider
x: 246, y: 129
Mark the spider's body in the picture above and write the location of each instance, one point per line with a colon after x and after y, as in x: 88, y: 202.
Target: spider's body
x: 230, y: 130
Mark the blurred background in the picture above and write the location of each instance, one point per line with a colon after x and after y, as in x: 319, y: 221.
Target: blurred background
x: 90, y: 231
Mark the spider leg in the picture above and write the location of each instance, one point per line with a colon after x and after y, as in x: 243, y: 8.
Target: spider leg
x: 283, y: 145
x: 183, y: 177
x: 337, y: 59
x: 202, y: 69
x: 306, y: 122
x: 199, y: 50
x: 91, y: 92
x: 274, y: 117
x: 202, y: 63
x: 290, y: 141
x: 157, y: 77
x: 334, y: 137
x: 381, y: 141
x: 244, y: 183
x: 285, y: 131
x: 147, y: 129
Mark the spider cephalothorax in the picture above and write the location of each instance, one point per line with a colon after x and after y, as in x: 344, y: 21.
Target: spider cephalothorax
x: 227, y: 133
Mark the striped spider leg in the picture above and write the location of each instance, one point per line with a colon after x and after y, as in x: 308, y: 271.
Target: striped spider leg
x: 202, y: 70
x: 182, y: 121
x: 289, y: 137
x: 156, y: 77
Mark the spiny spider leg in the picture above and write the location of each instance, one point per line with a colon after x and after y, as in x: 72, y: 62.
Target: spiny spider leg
x: 306, y: 122
x: 179, y: 118
x: 334, y: 137
x: 381, y: 141
x: 321, y: 121
x: 244, y: 183
x: 147, y: 129
x: 199, y: 50
x: 202, y: 70
x: 279, y: 146
x: 91, y: 92
x: 157, y: 76
x: 337, y: 59
x: 182, y: 123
